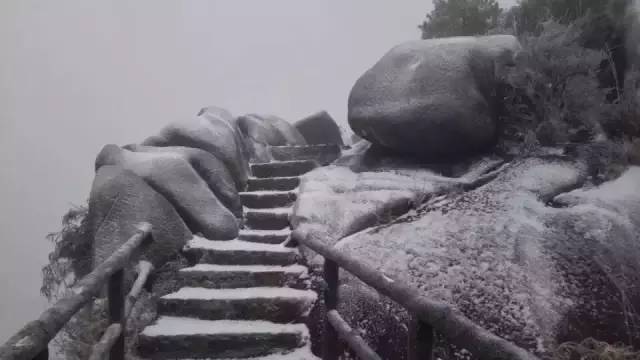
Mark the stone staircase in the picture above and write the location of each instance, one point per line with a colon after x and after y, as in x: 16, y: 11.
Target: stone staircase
x: 247, y: 297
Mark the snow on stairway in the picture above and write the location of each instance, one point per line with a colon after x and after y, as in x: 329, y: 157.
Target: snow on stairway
x: 267, y: 219
x: 273, y: 183
x: 268, y: 199
x: 283, y: 168
x: 244, y: 298
x: 181, y: 338
x: 323, y: 154
x: 265, y: 236
x: 277, y: 304
x: 238, y: 276
x: 238, y: 252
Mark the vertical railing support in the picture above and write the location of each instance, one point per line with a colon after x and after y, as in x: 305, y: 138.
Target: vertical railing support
x: 421, y: 340
x: 331, y: 343
x: 116, y: 299
x: 44, y: 354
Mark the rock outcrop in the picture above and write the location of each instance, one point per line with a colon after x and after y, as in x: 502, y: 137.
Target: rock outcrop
x: 213, y: 134
x: 319, y: 128
x: 433, y: 98
x: 119, y: 201
x: 171, y: 175
x: 532, y: 271
x: 212, y: 170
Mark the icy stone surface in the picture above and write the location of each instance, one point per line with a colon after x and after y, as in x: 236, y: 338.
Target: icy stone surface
x: 506, y: 257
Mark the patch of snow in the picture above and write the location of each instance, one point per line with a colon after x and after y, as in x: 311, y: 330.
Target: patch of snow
x: 284, y: 231
x: 176, y: 326
x: 235, y: 245
x: 242, y: 293
x: 279, y: 211
x: 269, y: 192
x: 246, y: 268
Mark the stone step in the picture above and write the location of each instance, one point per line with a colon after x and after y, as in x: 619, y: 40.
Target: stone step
x: 267, y: 219
x: 265, y: 236
x: 268, y: 199
x: 238, y: 252
x: 238, y: 276
x: 323, y: 154
x: 188, y: 338
x: 273, y: 183
x: 283, y: 168
x: 277, y: 304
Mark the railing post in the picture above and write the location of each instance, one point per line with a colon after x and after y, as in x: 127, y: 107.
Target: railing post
x: 43, y: 355
x: 116, y: 299
x: 331, y: 343
x: 421, y: 340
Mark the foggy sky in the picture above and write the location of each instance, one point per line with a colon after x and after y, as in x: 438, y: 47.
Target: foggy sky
x: 76, y: 75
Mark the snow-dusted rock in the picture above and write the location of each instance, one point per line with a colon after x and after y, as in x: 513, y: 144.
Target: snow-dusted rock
x: 319, y: 128
x: 335, y: 201
x: 214, y: 134
x: 262, y: 131
x: 535, y: 268
x: 172, y: 175
x: 433, y: 98
x: 119, y: 201
x: 212, y: 170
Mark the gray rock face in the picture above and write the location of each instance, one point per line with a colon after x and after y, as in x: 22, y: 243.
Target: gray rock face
x: 533, y: 273
x: 173, y: 176
x: 212, y: 170
x: 212, y: 133
x: 319, y: 128
x: 119, y: 201
x: 263, y: 131
x: 432, y: 98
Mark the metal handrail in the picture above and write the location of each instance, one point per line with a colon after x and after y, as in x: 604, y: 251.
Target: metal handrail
x: 31, y: 342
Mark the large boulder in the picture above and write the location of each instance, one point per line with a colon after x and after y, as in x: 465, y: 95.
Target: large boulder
x: 212, y: 133
x: 263, y: 131
x: 119, y: 201
x: 173, y: 176
x: 319, y: 128
x: 270, y: 130
x: 211, y: 169
x: 433, y: 98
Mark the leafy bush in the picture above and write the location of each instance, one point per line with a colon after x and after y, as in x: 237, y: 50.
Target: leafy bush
x: 553, y: 99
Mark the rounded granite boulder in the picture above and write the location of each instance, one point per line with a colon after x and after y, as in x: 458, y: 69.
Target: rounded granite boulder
x: 319, y: 129
x: 433, y: 98
x: 171, y: 175
x: 211, y: 169
x: 213, y: 134
x: 119, y: 201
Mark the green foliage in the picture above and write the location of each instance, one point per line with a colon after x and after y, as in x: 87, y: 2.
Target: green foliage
x: 460, y: 18
x: 71, y: 257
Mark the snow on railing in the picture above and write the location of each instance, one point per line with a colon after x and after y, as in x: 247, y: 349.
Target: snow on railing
x: 427, y: 315
x: 32, y: 341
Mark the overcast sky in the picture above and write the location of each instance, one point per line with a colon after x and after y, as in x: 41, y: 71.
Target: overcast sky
x: 75, y: 75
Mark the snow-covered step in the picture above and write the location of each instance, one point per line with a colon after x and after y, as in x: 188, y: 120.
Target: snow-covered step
x: 323, y: 154
x: 273, y: 183
x: 238, y: 276
x: 238, y: 252
x: 277, y: 304
x: 283, y: 168
x: 268, y: 199
x: 267, y: 219
x: 302, y: 353
x: 188, y: 338
x: 265, y: 236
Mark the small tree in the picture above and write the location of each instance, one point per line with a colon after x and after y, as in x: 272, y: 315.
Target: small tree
x: 460, y: 18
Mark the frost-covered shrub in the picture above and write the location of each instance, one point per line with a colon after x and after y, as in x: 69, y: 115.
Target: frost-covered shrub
x: 553, y: 98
